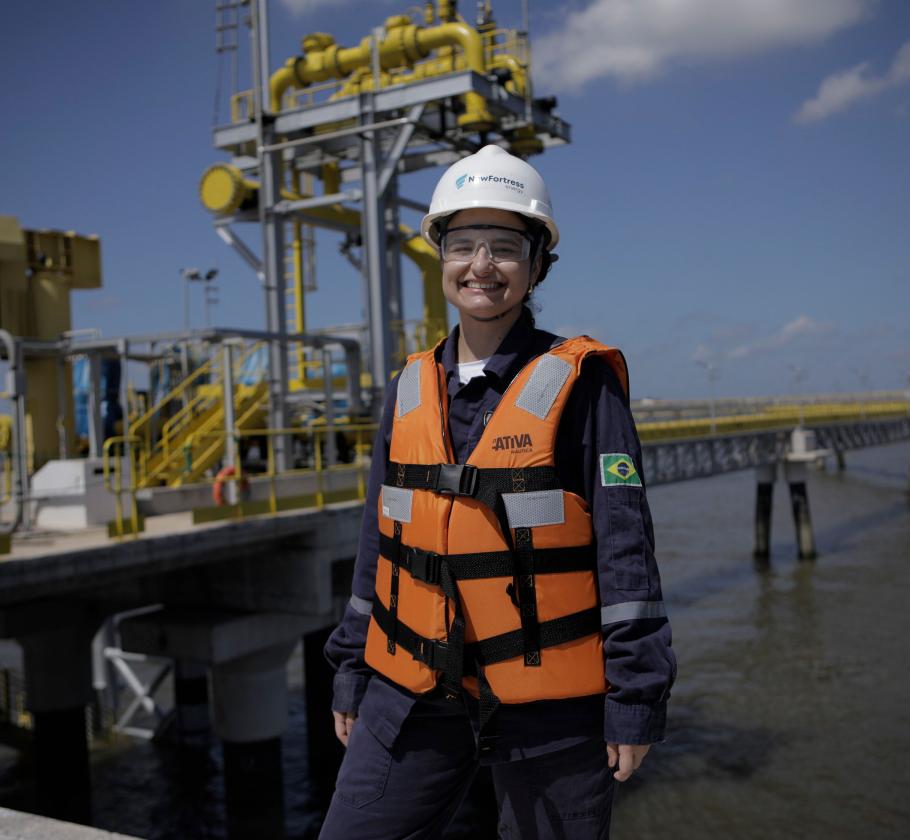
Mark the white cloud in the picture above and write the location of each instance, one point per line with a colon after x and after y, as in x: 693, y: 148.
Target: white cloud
x: 839, y: 91
x: 800, y: 327
x: 636, y: 39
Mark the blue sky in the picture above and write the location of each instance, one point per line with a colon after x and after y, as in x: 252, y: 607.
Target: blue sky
x: 737, y: 192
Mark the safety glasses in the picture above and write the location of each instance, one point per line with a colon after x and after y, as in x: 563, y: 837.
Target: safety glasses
x: 503, y: 244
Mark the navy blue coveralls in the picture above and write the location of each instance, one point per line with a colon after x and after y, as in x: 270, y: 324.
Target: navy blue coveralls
x: 411, y: 759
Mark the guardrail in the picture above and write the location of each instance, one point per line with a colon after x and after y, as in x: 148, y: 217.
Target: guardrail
x: 320, y: 440
x: 772, y: 418
x: 132, y: 444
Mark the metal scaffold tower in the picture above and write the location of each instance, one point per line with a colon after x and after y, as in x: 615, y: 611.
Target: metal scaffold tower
x: 413, y: 94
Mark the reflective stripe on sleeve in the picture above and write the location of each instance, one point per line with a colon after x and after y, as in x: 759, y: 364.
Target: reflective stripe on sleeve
x: 632, y: 610
x: 361, y: 605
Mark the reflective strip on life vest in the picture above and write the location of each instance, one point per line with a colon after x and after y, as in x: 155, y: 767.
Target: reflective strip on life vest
x: 409, y: 388
x: 531, y: 510
x: 397, y: 503
x: 543, y: 386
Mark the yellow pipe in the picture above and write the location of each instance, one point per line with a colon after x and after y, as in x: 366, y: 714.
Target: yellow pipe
x: 403, y: 45
x: 425, y: 257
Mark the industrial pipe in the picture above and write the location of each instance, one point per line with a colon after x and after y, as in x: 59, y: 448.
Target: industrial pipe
x: 404, y: 44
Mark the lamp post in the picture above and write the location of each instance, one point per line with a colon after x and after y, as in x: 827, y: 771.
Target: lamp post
x: 191, y: 275
x: 713, y: 375
x: 799, y: 376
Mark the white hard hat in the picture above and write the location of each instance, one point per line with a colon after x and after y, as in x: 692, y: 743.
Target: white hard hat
x: 491, y: 178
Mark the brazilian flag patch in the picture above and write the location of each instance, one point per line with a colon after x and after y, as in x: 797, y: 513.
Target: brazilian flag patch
x: 617, y: 469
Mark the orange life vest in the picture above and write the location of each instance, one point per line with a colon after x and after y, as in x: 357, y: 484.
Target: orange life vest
x: 487, y: 570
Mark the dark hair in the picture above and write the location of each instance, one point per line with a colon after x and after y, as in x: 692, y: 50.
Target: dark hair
x: 540, y: 238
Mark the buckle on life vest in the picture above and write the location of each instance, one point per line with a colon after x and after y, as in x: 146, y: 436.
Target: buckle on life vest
x: 424, y: 565
x: 432, y: 653
x: 457, y: 479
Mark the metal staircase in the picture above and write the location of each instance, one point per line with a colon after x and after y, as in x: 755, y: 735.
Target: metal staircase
x: 180, y: 449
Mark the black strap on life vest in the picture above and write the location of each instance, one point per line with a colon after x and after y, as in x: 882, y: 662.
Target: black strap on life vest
x: 486, y: 484
x: 393, y: 594
x: 427, y: 566
x: 435, y: 652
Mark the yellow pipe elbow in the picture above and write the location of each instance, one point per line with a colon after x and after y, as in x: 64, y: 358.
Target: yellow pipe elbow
x: 518, y: 84
x: 476, y: 116
x: 279, y: 82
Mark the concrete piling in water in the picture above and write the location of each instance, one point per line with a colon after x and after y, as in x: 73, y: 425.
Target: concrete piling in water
x: 796, y: 473
x: 803, y: 451
x: 58, y: 673
x: 250, y: 714
x: 764, y: 497
x: 191, y: 698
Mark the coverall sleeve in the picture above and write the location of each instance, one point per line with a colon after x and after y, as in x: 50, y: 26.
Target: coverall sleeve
x: 639, y: 662
x: 345, y: 648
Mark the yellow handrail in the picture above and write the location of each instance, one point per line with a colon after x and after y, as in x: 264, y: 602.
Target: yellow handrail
x: 172, y: 429
x: 7, y: 479
x: 170, y: 395
x: 363, y: 433
x: 775, y: 417
x: 117, y: 488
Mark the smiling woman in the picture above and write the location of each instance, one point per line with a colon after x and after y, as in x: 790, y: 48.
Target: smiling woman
x: 507, y: 608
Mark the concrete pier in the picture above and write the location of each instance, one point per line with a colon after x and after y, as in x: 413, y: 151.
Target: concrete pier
x: 796, y: 474
x: 58, y: 675
x: 15, y: 825
x: 764, y: 498
x: 236, y: 598
x: 191, y: 699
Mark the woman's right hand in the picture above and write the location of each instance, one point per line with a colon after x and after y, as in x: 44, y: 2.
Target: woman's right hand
x: 344, y: 724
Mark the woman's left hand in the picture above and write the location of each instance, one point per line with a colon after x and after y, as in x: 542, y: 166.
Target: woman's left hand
x: 627, y: 758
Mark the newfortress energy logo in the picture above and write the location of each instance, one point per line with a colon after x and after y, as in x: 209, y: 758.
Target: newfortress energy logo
x: 478, y: 180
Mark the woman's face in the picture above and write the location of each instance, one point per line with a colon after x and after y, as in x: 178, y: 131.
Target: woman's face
x: 480, y: 288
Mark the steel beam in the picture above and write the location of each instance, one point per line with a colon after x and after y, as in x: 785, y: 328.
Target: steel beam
x: 399, y: 145
x: 242, y: 249
x: 374, y: 260
x: 283, y: 208
x: 272, y: 236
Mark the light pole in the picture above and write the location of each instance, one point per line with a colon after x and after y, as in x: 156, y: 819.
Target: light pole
x: 191, y: 275
x: 713, y: 375
x: 799, y: 376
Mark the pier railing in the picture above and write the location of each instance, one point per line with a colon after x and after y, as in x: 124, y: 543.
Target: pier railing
x: 333, y: 459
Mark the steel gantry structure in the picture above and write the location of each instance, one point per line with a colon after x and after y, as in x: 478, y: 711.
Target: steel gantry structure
x: 412, y: 95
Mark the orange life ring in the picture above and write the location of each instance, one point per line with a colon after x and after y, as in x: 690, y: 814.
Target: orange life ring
x: 224, y: 474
